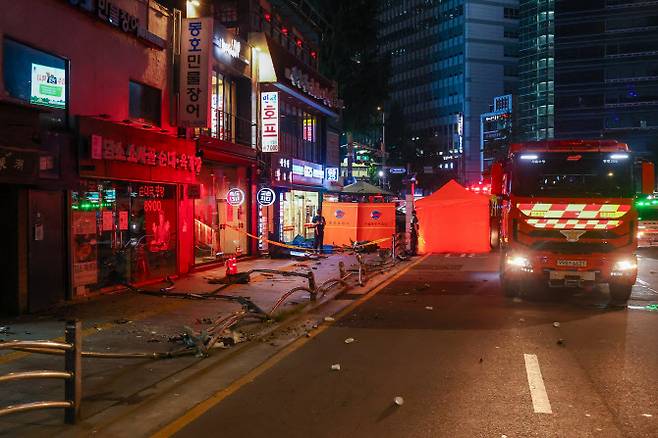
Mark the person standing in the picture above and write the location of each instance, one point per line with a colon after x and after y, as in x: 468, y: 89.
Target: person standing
x: 320, y: 223
x: 413, y: 232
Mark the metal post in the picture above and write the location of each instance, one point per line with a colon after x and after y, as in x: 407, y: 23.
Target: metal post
x: 73, y: 365
x: 311, y: 283
x: 393, y: 243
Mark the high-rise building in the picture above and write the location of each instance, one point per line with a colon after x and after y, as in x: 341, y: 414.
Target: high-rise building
x: 607, y: 71
x: 449, y: 59
x: 536, y: 69
x: 589, y: 69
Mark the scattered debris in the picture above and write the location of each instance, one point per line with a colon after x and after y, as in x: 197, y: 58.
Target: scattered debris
x: 517, y: 300
x: 121, y: 321
x: 349, y: 340
x: 204, y: 321
x: 28, y: 333
x: 588, y: 415
x: 308, y: 335
x: 503, y: 436
x: 429, y: 308
x: 335, y: 367
x: 556, y: 324
x: 652, y: 307
x: 497, y: 347
x: 328, y: 319
x: 153, y: 340
x: 561, y: 342
x: 314, y: 326
x: 521, y: 319
x: 652, y: 272
x: 647, y: 415
x: 5, y: 330
x: 398, y: 400
x: 481, y: 359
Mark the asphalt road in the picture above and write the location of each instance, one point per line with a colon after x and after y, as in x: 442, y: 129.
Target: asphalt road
x: 467, y: 362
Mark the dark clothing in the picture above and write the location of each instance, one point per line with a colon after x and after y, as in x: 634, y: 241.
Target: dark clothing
x: 318, y: 240
x: 414, y: 234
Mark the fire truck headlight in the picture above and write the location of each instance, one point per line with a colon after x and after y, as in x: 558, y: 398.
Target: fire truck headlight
x: 519, y: 262
x: 625, y: 265
x: 640, y: 234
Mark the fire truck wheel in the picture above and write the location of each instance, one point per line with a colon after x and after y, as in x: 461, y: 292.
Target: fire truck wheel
x: 620, y: 293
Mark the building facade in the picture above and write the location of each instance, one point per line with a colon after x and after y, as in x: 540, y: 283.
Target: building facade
x: 127, y: 159
x: 536, y: 94
x: 449, y: 60
x: 607, y: 72
x: 589, y: 70
x: 497, y: 130
x: 298, y: 110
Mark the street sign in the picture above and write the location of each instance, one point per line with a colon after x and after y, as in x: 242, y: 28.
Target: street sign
x: 235, y: 197
x: 266, y: 197
x: 397, y: 170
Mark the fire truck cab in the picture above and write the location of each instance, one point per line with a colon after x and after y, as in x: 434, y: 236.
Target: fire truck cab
x: 568, y: 217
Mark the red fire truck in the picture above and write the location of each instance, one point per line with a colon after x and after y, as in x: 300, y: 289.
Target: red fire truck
x: 567, y: 215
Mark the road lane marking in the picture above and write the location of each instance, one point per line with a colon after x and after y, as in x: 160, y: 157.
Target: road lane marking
x: 197, y: 411
x: 646, y: 285
x: 540, y: 402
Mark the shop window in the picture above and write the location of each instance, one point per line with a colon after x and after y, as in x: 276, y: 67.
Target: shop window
x: 297, y: 209
x: 224, y: 108
x: 122, y: 232
x: 36, y: 77
x: 219, y: 226
x: 145, y: 103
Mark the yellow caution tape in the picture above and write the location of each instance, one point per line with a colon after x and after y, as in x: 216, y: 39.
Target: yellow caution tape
x: 284, y: 245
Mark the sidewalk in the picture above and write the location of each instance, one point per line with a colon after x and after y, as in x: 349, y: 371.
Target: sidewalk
x: 127, y: 322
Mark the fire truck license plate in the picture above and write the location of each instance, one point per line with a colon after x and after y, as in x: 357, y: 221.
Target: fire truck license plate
x: 572, y: 263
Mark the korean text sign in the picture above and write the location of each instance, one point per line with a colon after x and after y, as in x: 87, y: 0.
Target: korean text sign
x: 196, y: 46
x: 269, y: 119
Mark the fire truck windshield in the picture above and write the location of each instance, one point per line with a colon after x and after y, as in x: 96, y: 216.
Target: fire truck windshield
x: 573, y: 175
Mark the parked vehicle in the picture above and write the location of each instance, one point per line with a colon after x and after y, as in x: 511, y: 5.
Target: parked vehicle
x: 568, y: 215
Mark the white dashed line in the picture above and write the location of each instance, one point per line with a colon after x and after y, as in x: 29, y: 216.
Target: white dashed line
x: 540, y: 402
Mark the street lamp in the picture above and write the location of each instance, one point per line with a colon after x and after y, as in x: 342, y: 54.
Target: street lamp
x: 383, y: 148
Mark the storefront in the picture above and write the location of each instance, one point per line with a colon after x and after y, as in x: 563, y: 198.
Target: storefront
x: 131, y: 210
x: 298, y: 185
x: 222, y: 212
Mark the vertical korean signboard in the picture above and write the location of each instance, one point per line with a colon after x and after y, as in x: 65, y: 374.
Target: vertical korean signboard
x: 196, y: 49
x: 269, y: 121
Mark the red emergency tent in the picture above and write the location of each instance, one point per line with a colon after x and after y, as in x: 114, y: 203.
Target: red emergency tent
x: 453, y: 219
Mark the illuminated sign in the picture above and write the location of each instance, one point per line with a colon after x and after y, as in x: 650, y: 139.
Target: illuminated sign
x: 196, y: 40
x: 397, y: 170
x: 332, y: 173
x: 305, y: 172
x: 269, y: 120
x: 48, y: 86
x: 232, y: 48
x: 235, y: 197
x: 154, y: 191
x: 110, y: 150
x: 503, y: 103
x: 265, y: 197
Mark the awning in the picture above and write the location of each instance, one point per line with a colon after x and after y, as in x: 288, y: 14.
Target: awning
x: 364, y: 188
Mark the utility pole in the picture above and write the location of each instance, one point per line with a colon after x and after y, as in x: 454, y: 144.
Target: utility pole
x: 383, y: 146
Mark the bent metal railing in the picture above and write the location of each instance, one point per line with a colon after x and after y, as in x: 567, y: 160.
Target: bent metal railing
x: 72, y: 374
